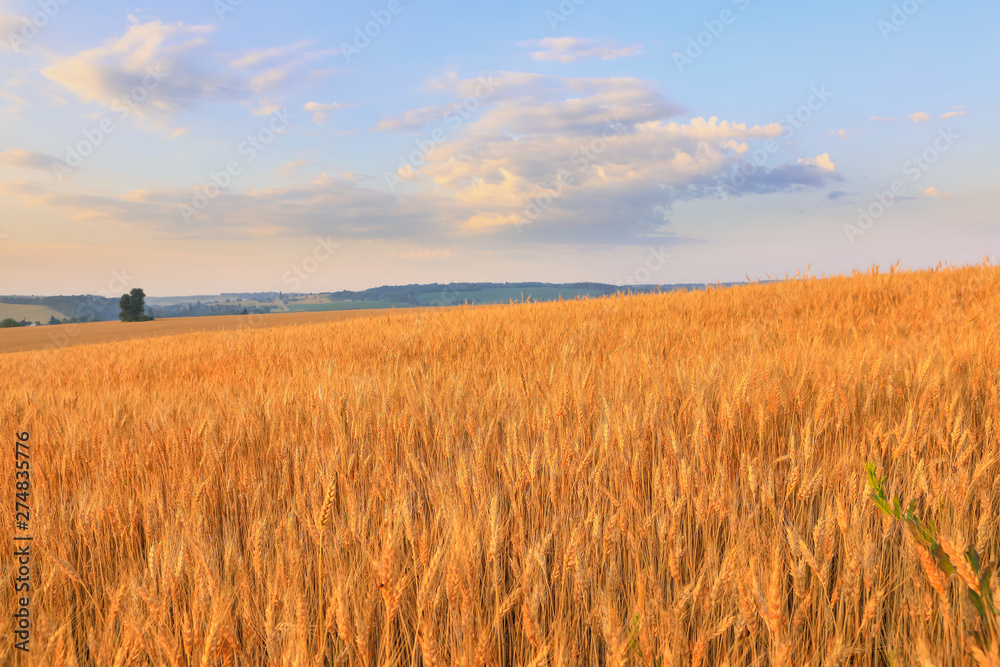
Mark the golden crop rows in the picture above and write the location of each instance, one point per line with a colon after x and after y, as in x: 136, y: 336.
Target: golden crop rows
x: 666, y: 479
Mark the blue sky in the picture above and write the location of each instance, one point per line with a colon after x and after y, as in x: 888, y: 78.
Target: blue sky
x: 213, y: 146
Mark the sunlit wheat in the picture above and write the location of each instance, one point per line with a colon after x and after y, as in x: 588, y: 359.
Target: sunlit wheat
x: 643, y: 480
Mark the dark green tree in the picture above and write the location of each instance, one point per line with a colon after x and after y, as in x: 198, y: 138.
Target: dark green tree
x: 53, y: 320
x: 125, y: 308
x: 137, y: 304
x: 132, y: 306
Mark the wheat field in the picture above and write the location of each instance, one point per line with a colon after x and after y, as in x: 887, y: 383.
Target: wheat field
x: 23, y: 339
x: 665, y: 479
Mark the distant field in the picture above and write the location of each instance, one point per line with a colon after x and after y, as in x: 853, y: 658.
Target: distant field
x: 165, y: 301
x: 65, y: 335
x: 446, y: 296
x: 311, y: 299
x: 315, y: 306
x: 502, y: 295
x: 27, y: 312
x: 176, y: 300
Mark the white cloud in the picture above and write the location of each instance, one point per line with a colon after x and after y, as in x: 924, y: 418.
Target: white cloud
x: 628, y: 151
x: 521, y: 102
x: 412, y: 119
x: 9, y: 24
x: 108, y: 73
x: 571, y: 49
x: 822, y: 161
x: 919, y: 117
x: 536, y: 127
x: 934, y: 192
x: 190, y: 74
x: 954, y: 113
x: 256, y: 57
x: 16, y: 102
x: 291, y: 167
x: 26, y: 159
x: 296, y: 61
x: 320, y: 111
x: 301, y: 208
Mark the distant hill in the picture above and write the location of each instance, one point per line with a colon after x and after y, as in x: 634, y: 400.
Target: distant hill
x: 451, y: 294
x: 30, y: 312
x: 89, y: 307
x: 41, y: 308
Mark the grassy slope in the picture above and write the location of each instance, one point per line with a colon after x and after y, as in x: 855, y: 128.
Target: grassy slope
x: 28, y: 312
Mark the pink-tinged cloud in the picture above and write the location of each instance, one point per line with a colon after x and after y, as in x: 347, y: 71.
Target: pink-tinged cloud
x: 571, y: 49
x: 621, y: 151
x: 26, y: 159
x: 320, y: 111
x: 159, y: 69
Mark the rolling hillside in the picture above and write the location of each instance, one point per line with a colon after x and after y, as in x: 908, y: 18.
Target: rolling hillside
x: 29, y: 312
x: 657, y: 479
